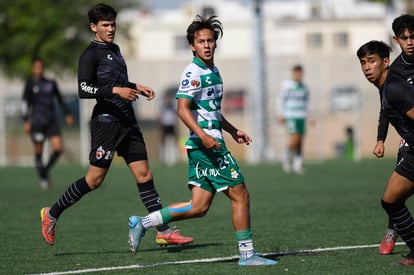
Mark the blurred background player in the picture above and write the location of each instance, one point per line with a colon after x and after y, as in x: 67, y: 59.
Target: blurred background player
x: 40, y: 120
x: 292, y: 108
x: 168, y: 130
x: 374, y: 57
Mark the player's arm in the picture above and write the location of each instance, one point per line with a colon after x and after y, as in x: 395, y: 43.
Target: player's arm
x: 87, y: 82
x: 26, y: 105
x: 410, y: 113
x: 26, y: 102
x: 142, y: 90
x: 382, y: 132
x: 280, y: 102
x: 68, y: 115
x: 184, y: 113
x: 238, y: 135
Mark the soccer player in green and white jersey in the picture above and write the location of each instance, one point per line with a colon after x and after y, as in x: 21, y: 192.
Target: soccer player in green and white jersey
x: 292, y: 111
x: 212, y: 168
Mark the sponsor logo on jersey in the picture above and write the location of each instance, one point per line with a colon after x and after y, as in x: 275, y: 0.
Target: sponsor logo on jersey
x: 195, y: 83
x: 88, y: 89
x: 109, y: 57
x: 188, y: 74
x: 206, y: 172
x: 410, y: 80
x: 210, y: 91
x: 185, y: 83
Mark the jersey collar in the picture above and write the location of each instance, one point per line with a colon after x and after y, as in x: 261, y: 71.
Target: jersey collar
x: 199, y: 62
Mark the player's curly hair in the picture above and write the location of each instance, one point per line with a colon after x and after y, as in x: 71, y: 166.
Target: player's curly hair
x: 203, y: 22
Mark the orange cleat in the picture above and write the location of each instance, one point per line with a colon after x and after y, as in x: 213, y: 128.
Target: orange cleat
x: 48, y: 226
x: 388, y: 243
x: 408, y: 260
x: 172, y: 238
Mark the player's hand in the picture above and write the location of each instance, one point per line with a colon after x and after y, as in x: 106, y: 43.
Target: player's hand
x: 209, y: 142
x: 27, y: 127
x: 69, y: 120
x: 379, y: 149
x: 126, y: 93
x: 146, y: 91
x: 242, y: 137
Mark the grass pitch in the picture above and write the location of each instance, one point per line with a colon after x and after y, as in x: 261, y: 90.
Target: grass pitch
x: 333, y: 206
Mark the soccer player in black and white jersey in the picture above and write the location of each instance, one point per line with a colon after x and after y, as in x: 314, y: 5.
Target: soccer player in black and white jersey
x: 40, y: 120
x: 102, y: 75
x: 398, y: 105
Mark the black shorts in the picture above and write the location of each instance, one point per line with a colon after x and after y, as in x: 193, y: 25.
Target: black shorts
x: 405, y: 164
x: 40, y: 132
x: 168, y: 130
x: 108, y: 137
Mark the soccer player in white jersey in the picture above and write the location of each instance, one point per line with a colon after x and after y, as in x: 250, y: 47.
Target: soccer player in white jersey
x: 292, y: 110
x: 212, y: 168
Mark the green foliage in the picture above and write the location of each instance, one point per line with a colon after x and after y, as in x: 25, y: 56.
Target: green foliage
x: 387, y: 2
x: 55, y: 30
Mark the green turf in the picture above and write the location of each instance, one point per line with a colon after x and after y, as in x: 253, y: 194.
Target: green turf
x: 334, y: 204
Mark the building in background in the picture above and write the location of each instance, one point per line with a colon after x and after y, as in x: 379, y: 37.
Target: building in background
x: 323, y: 35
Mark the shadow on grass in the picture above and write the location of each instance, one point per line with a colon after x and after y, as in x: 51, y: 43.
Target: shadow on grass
x: 171, y: 248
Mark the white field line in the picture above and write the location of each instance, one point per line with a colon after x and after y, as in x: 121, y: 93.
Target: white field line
x: 210, y: 260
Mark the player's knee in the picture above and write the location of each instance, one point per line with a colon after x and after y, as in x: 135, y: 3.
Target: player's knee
x: 144, y: 176
x: 200, y: 212
x: 240, y: 195
x: 94, y: 182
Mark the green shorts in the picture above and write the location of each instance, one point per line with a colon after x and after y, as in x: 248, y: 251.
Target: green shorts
x: 296, y: 126
x: 213, y: 170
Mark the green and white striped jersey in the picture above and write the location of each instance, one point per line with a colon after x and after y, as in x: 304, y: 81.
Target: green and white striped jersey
x: 204, y: 87
x: 293, y: 99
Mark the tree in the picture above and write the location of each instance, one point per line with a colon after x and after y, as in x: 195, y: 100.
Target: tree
x: 409, y: 4
x: 57, y: 31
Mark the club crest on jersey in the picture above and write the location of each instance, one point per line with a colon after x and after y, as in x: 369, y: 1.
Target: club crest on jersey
x: 100, y: 153
x: 195, y: 83
x: 234, y: 174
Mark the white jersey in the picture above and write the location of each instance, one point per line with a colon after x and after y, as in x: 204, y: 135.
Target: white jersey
x: 293, y: 99
x: 204, y: 87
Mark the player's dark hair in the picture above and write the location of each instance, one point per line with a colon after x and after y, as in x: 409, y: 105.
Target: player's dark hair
x: 36, y: 59
x: 374, y: 47
x: 203, y: 22
x: 297, y: 67
x: 101, y: 12
x: 401, y: 23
